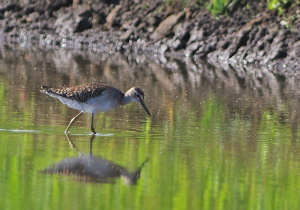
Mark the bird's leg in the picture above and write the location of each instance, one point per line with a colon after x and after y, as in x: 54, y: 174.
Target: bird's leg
x: 72, y: 145
x: 92, y: 124
x: 91, y: 144
x: 71, y: 121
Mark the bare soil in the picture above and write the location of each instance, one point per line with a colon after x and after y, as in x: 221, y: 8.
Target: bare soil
x: 249, y: 35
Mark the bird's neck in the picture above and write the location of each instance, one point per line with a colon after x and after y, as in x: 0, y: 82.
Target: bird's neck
x: 126, y: 99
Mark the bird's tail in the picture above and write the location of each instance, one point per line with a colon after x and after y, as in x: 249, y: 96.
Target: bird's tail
x: 45, y: 89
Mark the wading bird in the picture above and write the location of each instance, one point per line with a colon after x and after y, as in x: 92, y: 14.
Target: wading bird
x: 93, y: 98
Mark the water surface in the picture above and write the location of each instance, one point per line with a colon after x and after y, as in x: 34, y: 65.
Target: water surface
x: 216, y: 139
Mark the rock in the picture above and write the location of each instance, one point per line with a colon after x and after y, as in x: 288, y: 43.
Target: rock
x: 206, y: 47
x: 33, y: 17
x: 131, y: 24
x: 295, y: 53
x: 28, y: 9
x: 135, y: 22
x: 166, y: 26
x: 182, y: 31
x: 196, y: 35
x: 111, y: 1
x: 72, y: 22
x: 9, y: 6
x: 55, y: 5
x: 239, y: 39
x: 181, y: 36
x: 154, y: 20
x: 175, y: 44
x: 99, y: 18
x: 163, y: 49
x: 83, y: 21
x: 192, y: 48
x: 277, y: 48
x: 223, y: 44
x: 111, y: 19
x: 126, y: 36
x: 8, y: 28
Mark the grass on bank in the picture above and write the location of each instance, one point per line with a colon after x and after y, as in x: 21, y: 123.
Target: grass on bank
x: 218, y: 7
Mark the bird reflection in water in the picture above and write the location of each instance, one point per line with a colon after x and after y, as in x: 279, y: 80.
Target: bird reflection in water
x: 90, y: 168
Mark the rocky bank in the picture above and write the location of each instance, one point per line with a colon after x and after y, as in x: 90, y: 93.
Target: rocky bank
x: 250, y: 36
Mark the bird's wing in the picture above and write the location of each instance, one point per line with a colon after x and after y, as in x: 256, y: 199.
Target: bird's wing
x: 79, y: 93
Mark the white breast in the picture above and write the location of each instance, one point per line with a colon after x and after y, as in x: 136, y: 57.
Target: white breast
x: 93, y: 105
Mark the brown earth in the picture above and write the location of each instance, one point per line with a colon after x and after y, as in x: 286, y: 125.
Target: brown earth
x: 250, y: 36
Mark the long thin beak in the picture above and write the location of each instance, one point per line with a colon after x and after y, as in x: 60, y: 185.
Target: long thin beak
x: 144, y: 106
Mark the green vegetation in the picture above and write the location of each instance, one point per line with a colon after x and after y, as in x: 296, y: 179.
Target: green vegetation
x: 280, y: 4
x: 219, y: 7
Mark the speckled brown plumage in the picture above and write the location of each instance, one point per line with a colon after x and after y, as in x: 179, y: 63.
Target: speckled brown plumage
x: 79, y: 93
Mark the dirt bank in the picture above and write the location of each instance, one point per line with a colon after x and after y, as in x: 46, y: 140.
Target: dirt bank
x: 251, y: 36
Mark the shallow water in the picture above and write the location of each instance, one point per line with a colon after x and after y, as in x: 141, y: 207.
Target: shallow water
x: 216, y: 139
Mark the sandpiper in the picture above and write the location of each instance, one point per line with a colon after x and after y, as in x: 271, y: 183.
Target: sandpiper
x: 93, y: 98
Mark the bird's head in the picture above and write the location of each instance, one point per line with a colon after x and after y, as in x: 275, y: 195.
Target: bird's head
x: 136, y: 94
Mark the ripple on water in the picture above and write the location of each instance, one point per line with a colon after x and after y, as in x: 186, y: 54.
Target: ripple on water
x: 20, y: 130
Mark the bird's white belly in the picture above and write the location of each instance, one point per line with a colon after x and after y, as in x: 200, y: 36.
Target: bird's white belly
x: 93, y: 105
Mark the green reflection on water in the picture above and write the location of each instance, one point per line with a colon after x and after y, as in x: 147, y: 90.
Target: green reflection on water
x: 205, y: 151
